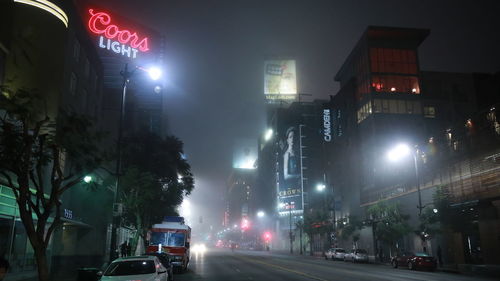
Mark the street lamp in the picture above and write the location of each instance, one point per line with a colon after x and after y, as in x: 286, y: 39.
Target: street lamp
x: 87, y: 179
x: 320, y: 187
x: 401, y: 151
x: 155, y: 74
x: 268, y: 135
x: 261, y: 214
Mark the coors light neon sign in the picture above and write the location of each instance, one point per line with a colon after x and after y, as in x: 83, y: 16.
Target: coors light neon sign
x: 111, y: 37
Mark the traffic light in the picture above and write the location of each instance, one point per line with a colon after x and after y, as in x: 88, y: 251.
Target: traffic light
x: 245, y: 224
x: 267, y: 236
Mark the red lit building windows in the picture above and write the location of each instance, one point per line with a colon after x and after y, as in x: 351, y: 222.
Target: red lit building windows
x: 394, y: 71
x: 395, y: 84
x: 401, y: 61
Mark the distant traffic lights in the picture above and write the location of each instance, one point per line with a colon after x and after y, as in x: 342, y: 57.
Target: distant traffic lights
x: 267, y: 236
x: 245, y: 224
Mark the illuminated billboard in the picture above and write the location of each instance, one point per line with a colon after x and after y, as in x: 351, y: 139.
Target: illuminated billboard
x: 289, y: 186
x: 245, y: 154
x: 280, y: 80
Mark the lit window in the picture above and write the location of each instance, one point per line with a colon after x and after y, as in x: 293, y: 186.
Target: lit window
x: 429, y: 112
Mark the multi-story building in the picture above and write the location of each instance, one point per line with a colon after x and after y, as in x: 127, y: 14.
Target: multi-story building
x: 385, y: 99
x: 46, y: 47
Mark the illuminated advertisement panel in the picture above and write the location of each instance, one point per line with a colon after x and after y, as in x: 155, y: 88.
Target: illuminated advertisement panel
x: 280, y: 79
x: 289, y: 184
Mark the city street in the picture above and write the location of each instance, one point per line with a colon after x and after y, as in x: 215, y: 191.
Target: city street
x: 222, y: 264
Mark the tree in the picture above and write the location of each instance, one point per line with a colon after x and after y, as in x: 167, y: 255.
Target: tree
x: 351, y: 228
x: 316, y: 222
x: 157, y: 178
x: 388, y: 222
x: 41, y: 157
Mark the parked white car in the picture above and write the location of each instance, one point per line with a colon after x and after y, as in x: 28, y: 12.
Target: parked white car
x: 144, y: 268
x: 357, y: 255
x: 335, y: 254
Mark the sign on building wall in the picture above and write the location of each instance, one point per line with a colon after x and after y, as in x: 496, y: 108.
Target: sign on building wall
x: 289, y: 185
x: 280, y: 80
x: 327, y: 125
x: 115, y: 38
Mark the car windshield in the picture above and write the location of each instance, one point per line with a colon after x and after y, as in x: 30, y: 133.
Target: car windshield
x: 360, y: 251
x: 167, y: 239
x: 136, y: 267
x: 421, y: 255
x: 340, y: 251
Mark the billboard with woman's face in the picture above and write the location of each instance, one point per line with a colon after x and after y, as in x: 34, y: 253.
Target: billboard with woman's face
x: 289, y: 171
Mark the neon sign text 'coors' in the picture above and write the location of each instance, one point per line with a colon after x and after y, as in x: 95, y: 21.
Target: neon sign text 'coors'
x: 99, y: 23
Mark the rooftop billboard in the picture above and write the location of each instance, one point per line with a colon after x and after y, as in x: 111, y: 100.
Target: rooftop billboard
x: 280, y: 80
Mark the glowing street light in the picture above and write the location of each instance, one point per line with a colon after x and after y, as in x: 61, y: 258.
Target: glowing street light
x: 404, y: 150
x: 261, y: 214
x: 320, y: 187
x: 154, y: 73
x: 398, y: 152
x: 268, y: 135
x: 87, y: 179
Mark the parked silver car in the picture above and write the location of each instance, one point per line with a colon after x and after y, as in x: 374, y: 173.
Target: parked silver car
x: 357, y: 255
x: 335, y: 254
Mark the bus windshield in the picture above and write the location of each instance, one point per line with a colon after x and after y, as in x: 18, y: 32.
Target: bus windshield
x: 172, y: 239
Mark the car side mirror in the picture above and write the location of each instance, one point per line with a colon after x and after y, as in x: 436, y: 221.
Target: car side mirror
x: 187, y: 244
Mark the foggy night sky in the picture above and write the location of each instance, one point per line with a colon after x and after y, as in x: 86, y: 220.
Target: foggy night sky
x: 215, y: 51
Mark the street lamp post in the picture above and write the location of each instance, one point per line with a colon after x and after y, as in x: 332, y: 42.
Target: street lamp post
x: 402, y: 150
x: 154, y: 73
x: 290, y: 220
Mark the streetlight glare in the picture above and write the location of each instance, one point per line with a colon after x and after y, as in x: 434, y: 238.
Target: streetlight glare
x: 87, y: 179
x: 154, y: 73
x: 320, y: 187
x: 398, y: 152
x: 269, y: 134
x: 260, y: 214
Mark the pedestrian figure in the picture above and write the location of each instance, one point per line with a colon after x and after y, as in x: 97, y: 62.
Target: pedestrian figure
x: 129, y: 249
x: 123, y: 249
x: 440, y: 257
x: 4, y: 267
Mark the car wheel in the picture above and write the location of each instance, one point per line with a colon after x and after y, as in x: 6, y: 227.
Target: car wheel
x: 394, y: 264
x: 411, y: 266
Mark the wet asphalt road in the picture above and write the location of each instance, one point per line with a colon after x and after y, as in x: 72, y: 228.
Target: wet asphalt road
x: 222, y: 264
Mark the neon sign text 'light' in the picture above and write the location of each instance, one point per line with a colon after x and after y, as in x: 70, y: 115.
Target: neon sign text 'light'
x: 100, y: 23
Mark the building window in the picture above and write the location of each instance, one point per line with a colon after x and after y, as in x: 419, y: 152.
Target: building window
x: 76, y: 51
x: 393, y: 106
x: 429, y: 112
x: 73, y: 80
x: 395, y: 84
x: 385, y: 60
x: 364, y: 111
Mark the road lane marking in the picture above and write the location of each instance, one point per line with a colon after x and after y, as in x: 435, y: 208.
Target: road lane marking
x: 284, y: 268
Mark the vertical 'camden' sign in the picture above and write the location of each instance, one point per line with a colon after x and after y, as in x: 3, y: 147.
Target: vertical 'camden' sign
x: 115, y: 39
x: 327, y: 125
